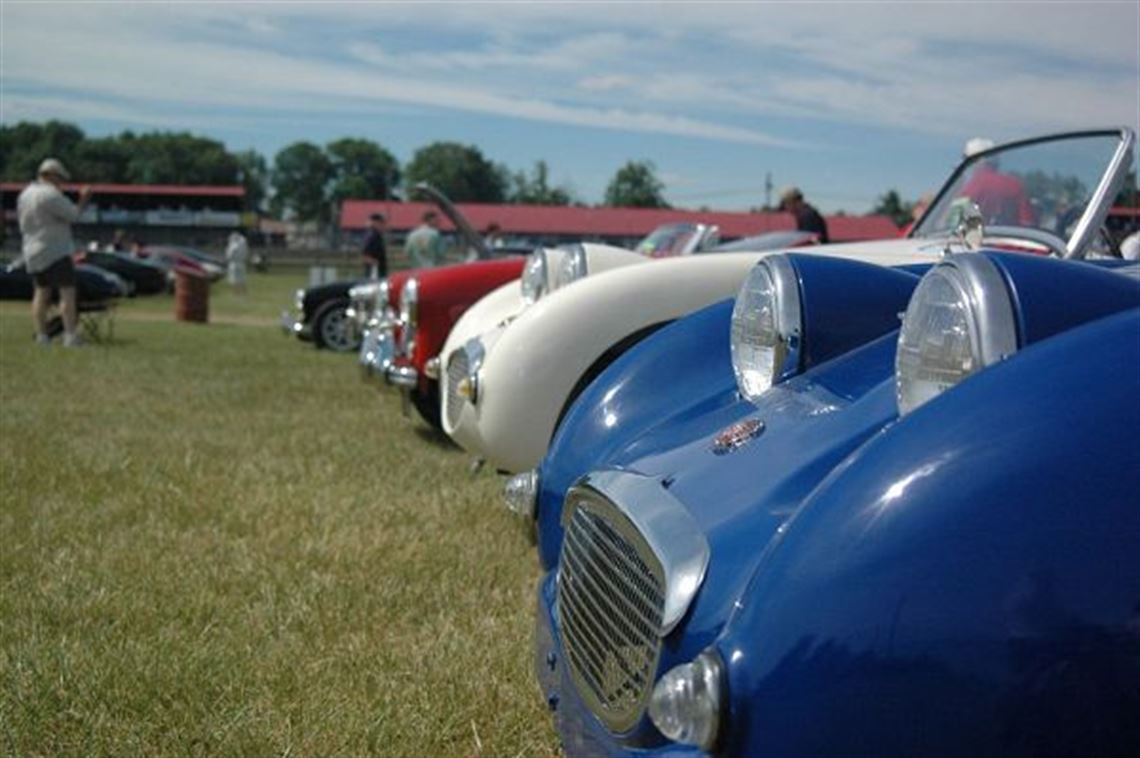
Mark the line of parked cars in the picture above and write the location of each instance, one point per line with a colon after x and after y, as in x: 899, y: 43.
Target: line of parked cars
x: 874, y: 499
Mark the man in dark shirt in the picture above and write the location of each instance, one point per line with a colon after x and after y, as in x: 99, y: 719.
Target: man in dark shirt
x: 375, y: 253
x: 807, y: 217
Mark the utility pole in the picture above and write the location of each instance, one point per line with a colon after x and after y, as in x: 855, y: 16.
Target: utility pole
x: 767, y: 190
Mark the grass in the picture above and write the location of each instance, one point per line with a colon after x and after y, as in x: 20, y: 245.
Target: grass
x: 215, y: 540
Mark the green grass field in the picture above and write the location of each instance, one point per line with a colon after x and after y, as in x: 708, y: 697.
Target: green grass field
x: 217, y: 540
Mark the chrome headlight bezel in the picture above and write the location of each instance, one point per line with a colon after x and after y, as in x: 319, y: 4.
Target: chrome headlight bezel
x: 960, y: 320
x: 767, y: 327
x: 409, y: 315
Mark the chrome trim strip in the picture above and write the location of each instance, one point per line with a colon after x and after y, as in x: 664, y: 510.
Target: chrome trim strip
x: 649, y: 513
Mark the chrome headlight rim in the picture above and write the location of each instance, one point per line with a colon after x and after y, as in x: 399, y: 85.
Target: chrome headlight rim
x: 775, y: 275
x: 988, y: 316
x: 533, y: 282
x: 409, y: 314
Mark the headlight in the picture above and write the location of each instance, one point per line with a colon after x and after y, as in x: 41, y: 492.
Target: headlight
x: 521, y: 494
x: 409, y: 315
x: 299, y: 300
x: 959, y: 320
x: 571, y: 266
x: 687, y: 701
x: 533, y: 278
x: 766, y: 327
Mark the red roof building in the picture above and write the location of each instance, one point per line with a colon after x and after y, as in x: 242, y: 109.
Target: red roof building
x: 603, y: 223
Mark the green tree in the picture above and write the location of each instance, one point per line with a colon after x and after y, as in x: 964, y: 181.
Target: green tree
x: 361, y: 169
x: 102, y: 160
x: 301, y: 174
x: 535, y: 189
x: 458, y: 171
x: 25, y: 144
x: 635, y: 185
x: 178, y: 158
x: 253, y: 173
x: 891, y: 204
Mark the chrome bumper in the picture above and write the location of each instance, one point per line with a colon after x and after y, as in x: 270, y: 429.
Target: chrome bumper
x: 404, y: 377
x: 291, y: 325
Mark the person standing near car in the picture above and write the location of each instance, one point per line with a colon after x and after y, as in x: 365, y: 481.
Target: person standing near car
x: 237, y: 258
x: 375, y: 251
x: 807, y: 217
x: 45, y: 215
x: 425, y: 245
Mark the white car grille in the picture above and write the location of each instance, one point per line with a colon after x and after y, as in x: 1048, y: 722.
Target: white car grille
x: 457, y: 367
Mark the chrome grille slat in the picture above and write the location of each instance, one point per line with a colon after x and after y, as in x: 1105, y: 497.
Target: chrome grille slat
x: 644, y: 608
x: 611, y: 603
x: 456, y: 372
x: 646, y: 591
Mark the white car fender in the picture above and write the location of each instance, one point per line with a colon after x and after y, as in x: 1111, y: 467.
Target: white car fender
x: 533, y: 364
x: 531, y: 369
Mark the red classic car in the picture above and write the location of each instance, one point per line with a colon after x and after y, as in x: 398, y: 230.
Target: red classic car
x: 419, y: 309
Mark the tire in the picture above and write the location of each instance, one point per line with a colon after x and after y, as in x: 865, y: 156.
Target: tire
x: 332, y: 329
x: 428, y: 404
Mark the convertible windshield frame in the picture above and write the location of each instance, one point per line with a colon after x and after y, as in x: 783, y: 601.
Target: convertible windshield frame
x: 1096, y: 209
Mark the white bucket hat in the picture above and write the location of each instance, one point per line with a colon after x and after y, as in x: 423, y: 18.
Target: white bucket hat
x: 53, y: 166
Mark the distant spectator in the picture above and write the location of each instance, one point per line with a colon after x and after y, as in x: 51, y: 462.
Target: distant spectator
x: 807, y: 217
x: 45, y: 216
x: 118, y: 242
x: 375, y: 251
x: 237, y: 257
x: 425, y: 245
x: 1000, y: 197
x: 493, y: 235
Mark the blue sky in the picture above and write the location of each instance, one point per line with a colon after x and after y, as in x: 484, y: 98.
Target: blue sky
x: 844, y: 99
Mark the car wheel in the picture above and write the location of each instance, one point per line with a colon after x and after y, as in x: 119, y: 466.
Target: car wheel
x: 333, y: 330
x: 428, y: 404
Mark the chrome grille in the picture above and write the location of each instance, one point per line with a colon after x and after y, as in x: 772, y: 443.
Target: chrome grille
x: 610, y: 605
x: 456, y: 372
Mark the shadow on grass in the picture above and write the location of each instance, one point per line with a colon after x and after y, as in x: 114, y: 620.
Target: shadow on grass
x: 436, y: 438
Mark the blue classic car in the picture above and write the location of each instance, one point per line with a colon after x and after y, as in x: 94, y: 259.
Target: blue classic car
x: 871, y: 540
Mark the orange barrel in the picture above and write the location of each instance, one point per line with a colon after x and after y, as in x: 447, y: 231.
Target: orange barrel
x: 191, y: 296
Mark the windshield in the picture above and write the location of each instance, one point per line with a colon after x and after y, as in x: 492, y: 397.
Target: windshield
x: 1044, y: 186
x: 668, y: 240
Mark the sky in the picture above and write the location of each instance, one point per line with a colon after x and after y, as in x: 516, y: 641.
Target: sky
x: 843, y: 99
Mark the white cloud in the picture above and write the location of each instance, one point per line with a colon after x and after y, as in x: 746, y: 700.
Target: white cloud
x: 696, y: 70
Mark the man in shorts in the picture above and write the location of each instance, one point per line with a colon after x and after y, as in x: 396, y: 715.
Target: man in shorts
x: 46, y: 216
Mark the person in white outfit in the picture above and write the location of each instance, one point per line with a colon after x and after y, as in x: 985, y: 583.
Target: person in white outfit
x: 45, y: 215
x: 237, y: 258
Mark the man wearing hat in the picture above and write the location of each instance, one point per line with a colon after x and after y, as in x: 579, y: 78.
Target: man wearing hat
x: 46, y: 216
x: 807, y: 217
x: 375, y: 253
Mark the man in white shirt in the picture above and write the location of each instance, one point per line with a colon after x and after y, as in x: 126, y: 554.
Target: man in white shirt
x: 45, y: 216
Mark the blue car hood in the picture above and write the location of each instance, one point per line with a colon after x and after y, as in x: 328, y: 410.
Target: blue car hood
x: 740, y: 480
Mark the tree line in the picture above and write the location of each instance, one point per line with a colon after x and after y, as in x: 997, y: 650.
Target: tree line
x: 305, y: 181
